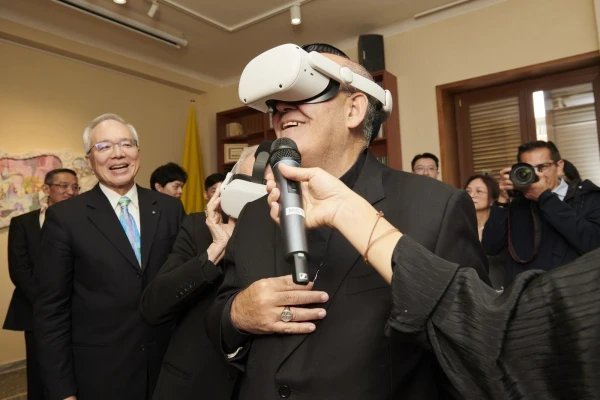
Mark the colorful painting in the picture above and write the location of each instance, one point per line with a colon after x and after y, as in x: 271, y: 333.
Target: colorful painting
x: 22, y: 177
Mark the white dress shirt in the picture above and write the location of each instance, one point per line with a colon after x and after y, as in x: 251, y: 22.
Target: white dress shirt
x: 133, y: 207
x: 561, y: 189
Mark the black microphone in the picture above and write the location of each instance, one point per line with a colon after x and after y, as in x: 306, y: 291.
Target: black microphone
x: 291, y: 213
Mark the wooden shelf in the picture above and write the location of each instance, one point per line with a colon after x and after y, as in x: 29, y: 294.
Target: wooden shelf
x: 257, y: 123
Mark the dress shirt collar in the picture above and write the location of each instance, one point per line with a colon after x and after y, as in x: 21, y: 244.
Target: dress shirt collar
x: 561, y: 189
x: 113, y: 197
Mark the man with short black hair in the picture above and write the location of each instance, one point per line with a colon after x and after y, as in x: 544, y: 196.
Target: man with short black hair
x: 168, y: 179
x: 426, y: 164
x: 552, y: 223
x: 23, y: 246
x: 210, y: 185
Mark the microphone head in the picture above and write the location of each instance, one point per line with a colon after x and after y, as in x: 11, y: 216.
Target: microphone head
x: 284, y: 148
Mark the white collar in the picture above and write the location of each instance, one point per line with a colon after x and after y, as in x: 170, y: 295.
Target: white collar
x: 114, y: 197
x: 561, y: 189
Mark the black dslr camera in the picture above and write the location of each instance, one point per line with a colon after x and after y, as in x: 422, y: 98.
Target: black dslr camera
x: 523, y: 175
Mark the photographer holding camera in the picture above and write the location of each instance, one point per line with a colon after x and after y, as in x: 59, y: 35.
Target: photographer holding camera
x: 543, y: 222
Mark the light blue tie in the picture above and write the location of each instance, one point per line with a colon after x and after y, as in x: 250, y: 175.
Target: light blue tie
x: 131, y: 229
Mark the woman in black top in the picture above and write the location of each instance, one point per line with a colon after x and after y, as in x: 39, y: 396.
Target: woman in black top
x: 540, y: 339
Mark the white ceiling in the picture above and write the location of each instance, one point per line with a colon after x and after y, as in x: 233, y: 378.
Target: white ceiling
x: 223, y: 35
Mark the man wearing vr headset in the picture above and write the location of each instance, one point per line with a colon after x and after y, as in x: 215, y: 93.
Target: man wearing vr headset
x: 184, y: 288
x: 334, y: 346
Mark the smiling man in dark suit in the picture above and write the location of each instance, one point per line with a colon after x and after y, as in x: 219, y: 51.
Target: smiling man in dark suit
x: 98, y: 252
x: 334, y: 346
x: 23, y: 245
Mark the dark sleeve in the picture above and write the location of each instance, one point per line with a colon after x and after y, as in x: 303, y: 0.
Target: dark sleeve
x: 511, y: 345
x: 19, y: 265
x: 582, y: 232
x: 183, y: 277
x: 495, y: 230
x: 52, y: 308
x: 458, y: 240
x: 233, y: 344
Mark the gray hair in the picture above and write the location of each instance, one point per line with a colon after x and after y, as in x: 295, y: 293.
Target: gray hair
x: 247, y: 152
x: 372, y: 121
x: 87, y: 133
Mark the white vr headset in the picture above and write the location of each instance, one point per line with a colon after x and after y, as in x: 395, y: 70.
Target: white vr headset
x: 239, y: 189
x: 288, y: 73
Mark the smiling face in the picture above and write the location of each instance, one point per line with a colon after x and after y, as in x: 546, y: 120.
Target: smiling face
x: 328, y: 134
x: 115, y: 168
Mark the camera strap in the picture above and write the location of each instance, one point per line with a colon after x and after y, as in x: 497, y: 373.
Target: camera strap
x: 537, y: 235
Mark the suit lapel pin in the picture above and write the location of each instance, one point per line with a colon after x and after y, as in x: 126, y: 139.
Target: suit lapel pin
x: 153, y: 212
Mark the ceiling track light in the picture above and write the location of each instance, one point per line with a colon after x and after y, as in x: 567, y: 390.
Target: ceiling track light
x: 153, y: 9
x: 295, y: 15
x: 120, y: 1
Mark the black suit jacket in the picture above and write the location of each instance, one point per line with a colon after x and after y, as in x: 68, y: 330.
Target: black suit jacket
x: 183, y: 290
x: 91, y: 336
x: 23, y: 247
x: 348, y: 356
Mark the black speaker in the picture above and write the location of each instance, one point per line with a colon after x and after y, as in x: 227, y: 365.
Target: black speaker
x: 370, y: 52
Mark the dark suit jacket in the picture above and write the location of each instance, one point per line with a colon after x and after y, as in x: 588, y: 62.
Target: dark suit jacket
x: 348, y: 356
x: 23, y: 246
x: 183, y: 290
x: 91, y: 336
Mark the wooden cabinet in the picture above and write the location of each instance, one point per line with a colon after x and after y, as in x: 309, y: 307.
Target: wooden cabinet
x: 246, y: 126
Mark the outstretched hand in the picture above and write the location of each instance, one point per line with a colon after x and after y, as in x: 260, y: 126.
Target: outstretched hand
x: 219, y: 230
x: 322, y: 194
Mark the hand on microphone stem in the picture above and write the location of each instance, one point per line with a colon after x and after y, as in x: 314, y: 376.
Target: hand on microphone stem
x: 322, y: 195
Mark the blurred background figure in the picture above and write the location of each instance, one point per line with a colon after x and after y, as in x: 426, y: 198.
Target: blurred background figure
x: 23, y: 246
x: 426, y: 164
x: 169, y: 179
x: 211, y: 183
x: 484, y: 191
x: 570, y: 174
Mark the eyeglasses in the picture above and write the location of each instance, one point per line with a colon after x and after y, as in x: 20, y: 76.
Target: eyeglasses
x: 65, y: 186
x: 477, y: 192
x: 544, y: 166
x: 107, y: 147
x: 422, y: 169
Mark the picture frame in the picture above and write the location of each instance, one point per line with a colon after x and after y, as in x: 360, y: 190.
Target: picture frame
x: 233, y: 151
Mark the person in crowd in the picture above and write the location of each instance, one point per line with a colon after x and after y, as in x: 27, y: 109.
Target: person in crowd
x: 98, y: 252
x: 426, y: 164
x: 484, y: 190
x: 192, y: 271
x: 556, y: 223
x: 321, y: 341
x: 537, y: 340
x: 23, y: 246
x: 211, y: 183
x: 169, y: 179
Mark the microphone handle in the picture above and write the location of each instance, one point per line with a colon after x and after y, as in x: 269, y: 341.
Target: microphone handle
x: 291, y: 216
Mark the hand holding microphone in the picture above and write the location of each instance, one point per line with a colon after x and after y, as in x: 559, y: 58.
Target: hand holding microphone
x: 285, y: 152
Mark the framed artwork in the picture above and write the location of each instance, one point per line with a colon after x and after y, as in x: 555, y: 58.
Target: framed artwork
x: 22, y: 177
x: 233, y: 151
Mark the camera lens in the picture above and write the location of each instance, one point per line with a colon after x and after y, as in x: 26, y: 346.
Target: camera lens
x: 523, y: 175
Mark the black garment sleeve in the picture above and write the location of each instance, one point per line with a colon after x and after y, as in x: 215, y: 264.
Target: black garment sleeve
x: 494, y: 238
x: 19, y: 263
x: 581, y: 231
x: 183, y: 277
x: 220, y: 330
x: 51, y: 308
x: 536, y: 340
x: 458, y: 240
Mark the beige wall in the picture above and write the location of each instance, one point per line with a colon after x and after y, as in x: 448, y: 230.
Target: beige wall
x: 45, y: 103
x: 505, y: 36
